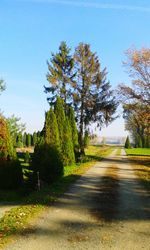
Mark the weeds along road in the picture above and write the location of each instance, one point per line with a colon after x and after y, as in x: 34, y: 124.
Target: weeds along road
x: 105, y: 209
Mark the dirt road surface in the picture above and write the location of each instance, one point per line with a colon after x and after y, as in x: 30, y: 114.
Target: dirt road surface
x: 105, y: 209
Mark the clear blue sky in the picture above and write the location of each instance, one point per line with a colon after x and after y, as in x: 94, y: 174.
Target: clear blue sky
x: 31, y: 29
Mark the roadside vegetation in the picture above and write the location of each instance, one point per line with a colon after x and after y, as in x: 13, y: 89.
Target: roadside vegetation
x: 17, y: 219
x: 138, y: 151
x: 36, y: 168
x: 141, y: 166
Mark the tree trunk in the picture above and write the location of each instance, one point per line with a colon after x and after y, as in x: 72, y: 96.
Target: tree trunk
x: 81, y: 138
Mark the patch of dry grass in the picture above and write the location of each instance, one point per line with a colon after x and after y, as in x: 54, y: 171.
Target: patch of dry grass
x: 141, y: 166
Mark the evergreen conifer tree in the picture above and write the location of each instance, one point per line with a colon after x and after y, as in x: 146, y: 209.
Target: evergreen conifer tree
x: 19, y: 140
x: 34, y: 138
x: 65, y: 133
x: 140, y: 142
x: 127, y: 143
x: 25, y: 139
x: 60, y: 74
x: 60, y: 116
x: 147, y: 142
x: 28, y: 141
x: 73, y: 127
x: 51, y: 131
x: 67, y: 146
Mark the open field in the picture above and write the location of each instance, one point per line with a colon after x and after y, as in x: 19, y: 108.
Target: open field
x: 138, y: 151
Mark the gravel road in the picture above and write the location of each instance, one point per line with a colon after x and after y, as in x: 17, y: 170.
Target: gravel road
x: 105, y: 209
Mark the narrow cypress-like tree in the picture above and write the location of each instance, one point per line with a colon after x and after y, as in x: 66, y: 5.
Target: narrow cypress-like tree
x: 73, y: 126
x: 127, y: 143
x: 19, y: 140
x: 65, y: 133
x: 147, y: 142
x: 25, y: 139
x: 60, y: 116
x: 28, y: 141
x: 140, y: 142
x: 51, y: 133
x: 34, y: 138
x: 67, y: 146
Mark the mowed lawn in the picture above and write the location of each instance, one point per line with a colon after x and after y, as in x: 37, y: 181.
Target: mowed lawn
x: 138, y: 151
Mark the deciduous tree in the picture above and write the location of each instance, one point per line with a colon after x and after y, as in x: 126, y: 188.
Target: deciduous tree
x: 136, y: 98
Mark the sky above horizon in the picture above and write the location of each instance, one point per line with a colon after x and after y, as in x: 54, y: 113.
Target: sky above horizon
x: 32, y: 29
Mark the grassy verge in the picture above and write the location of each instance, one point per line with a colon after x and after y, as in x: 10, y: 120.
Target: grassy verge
x: 141, y: 166
x: 118, y: 151
x: 138, y: 151
x: 98, y: 152
x: 16, y: 220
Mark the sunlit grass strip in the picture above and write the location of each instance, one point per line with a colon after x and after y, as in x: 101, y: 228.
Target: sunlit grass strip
x: 138, y: 151
x: 98, y: 150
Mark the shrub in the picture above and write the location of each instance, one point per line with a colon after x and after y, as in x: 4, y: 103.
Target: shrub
x: 47, y: 161
x: 11, y: 176
x: 6, y: 146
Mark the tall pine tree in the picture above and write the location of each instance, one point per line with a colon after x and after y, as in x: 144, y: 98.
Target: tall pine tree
x: 93, y: 98
x: 60, y: 74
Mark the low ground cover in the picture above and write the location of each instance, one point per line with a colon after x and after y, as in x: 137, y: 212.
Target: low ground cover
x: 141, y: 166
x: 137, y: 151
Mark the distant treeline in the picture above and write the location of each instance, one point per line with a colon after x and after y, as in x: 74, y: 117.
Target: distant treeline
x: 27, y: 139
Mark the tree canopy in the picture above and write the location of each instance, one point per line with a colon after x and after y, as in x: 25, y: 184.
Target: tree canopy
x: 136, y: 98
x: 2, y: 85
x: 80, y: 82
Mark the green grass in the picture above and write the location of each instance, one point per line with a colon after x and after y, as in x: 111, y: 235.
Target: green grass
x: 99, y: 151
x: 138, y: 151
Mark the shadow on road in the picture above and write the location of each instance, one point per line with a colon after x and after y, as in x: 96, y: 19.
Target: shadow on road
x: 107, y: 199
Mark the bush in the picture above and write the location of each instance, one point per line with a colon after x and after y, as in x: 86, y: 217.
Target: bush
x: 6, y: 145
x: 11, y: 176
x: 47, y: 161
